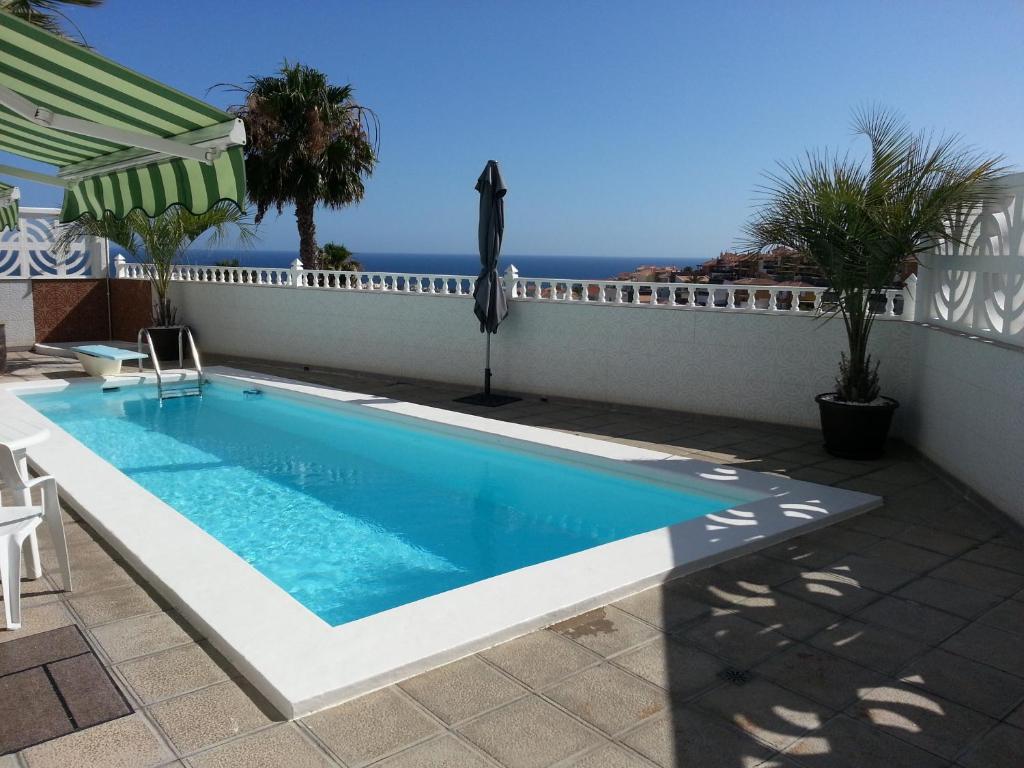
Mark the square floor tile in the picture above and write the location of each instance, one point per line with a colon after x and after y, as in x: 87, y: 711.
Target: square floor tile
x: 462, y: 689
x: 212, y: 715
x: 847, y: 743
x: 682, y: 670
x: 905, y: 556
x: 38, y: 618
x: 529, y: 733
x: 663, y: 607
x: 372, y: 726
x: 971, y: 574
x: 989, y: 645
x: 966, y: 682
x: 88, y: 690
x: 833, y: 590
x: 141, y: 635
x: 874, y: 573
x: 789, y: 615
x: 819, y: 675
x: 874, y: 647
x: 685, y: 737
x: 112, y: 604
x: 773, y: 715
x: 922, y: 718
x: 608, y: 756
x: 540, y: 658
x: 35, y: 650
x: 1007, y: 616
x: 606, y: 630
x: 997, y: 556
x: 173, y: 672
x: 736, y: 639
x: 923, y: 623
x: 942, y: 542
x: 127, y: 742
x: 444, y: 752
x: 965, y: 602
x: 608, y: 698
x: 282, y: 745
x: 1000, y: 748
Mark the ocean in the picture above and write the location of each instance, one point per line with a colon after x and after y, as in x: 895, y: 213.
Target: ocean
x: 576, y: 267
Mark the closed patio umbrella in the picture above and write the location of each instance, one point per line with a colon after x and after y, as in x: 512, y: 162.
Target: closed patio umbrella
x: 489, y: 303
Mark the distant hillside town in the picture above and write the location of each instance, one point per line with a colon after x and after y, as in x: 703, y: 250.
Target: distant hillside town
x: 781, y: 266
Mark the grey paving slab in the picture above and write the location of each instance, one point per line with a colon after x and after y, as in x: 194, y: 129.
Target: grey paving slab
x: 540, y: 658
x: 608, y: 698
x: 868, y: 645
x: 128, y: 742
x: 989, y: 645
x: 843, y: 742
x: 606, y: 630
x: 973, y: 684
x: 957, y: 599
x: 819, y: 675
x: 1002, y: 747
x: 923, y: 623
x: 735, y: 639
x: 663, y: 607
x: 1007, y: 616
x: 684, y: 671
x: 462, y: 689
x: 281, y: 746
x: 444, y: 752
x: 609, y: 756
x: 971, y: 574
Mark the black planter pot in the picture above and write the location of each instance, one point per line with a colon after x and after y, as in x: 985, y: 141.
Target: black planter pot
x: 165, y: 342
x: 855, y: 430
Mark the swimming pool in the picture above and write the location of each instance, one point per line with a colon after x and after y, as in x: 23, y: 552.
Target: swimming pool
x: 330, y: 543
x: 351, y: 513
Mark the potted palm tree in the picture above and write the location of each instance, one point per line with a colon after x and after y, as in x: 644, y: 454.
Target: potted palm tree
x: 862, y: 221
x: 161, y: 244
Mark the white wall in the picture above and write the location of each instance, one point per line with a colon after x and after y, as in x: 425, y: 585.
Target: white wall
x: 754, y: 366
x: 967, y: 412
x: 16, y: 311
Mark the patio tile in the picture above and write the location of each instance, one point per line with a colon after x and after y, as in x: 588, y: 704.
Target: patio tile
x: 607, y: 756
x: 971, y: 574
x: 605, y: 631
x: 920, y: 717
x: 910, y: 618
x: 966, y: 682
x: 127, y: 742
x: 539, y: 658
x: 608, y: 698
x: 1007, y: 616
x: 844, y: 539
x: 87, y: 690
x: 110, y: 605
x: 141, y: 635
x: 685, y: 737
x: 282, y: 745
x: 761, y: 570
x: 804, y: 553
x: 905, y: 556
x: 847, y: 743
x: 39, y: 591
x: 682, y: 670
x: 1017, y: 717
x: 819, y: 675
x: 872, y: 573
x: 742, y: 642
x: 942, y: 542
x: 204, y: 718
x: 989, y: 645
x: 948, y: 596
x: 833, y: 590
x: 173, y: 672
x: 789, y: 615
x: 30, y: 710
x: 461, y: 689
x: 444, y: 752
x: 101, y: 573
x: 663, y: 607
x: 876, y: 524
x: 997, y: 556
x: 528, y: 733
x: 1002, y: 747
x: 38, y: 618
x: 873, y: 647
x: 773, y: 715
x: 371, y: 727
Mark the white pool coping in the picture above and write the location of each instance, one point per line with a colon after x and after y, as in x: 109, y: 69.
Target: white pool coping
x: 301, y: 663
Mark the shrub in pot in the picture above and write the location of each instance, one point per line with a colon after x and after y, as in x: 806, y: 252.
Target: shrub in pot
x: 862, y: 222
x: 161, y: 244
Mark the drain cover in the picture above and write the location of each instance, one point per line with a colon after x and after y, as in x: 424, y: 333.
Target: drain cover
x: 736, y: 676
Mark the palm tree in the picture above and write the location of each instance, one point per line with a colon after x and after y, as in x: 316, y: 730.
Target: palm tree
x: 309, y: 143
x: 46, y: 14
x: 337, y: 257
x: 860, y: 221
x: 161, y: 243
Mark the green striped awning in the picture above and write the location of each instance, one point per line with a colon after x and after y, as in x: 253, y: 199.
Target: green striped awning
x: 119, y: 140
x: 8, y: 207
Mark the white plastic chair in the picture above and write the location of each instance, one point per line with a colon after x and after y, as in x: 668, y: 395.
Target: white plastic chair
x: 16, y: 523
x: 11, y: 476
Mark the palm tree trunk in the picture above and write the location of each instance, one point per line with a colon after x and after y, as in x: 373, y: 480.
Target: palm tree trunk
x: 309, y: 254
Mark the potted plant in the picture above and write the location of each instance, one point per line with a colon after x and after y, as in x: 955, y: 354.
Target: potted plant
x: 161, y: 243
x: 861, y: 221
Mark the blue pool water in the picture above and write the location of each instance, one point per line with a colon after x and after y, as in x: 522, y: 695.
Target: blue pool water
x: 353, y: 513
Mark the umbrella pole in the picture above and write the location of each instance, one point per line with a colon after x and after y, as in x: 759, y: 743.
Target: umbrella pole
x: 487, y: 369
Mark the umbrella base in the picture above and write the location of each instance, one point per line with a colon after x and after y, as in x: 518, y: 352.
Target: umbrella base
x: 487, y: 399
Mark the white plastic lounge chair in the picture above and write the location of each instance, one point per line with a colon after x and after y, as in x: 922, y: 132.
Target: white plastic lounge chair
x: 16, y: 524
x: 11, y: 475
x: 101, y: 360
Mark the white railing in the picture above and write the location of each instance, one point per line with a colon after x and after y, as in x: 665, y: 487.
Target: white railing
x: 29, y: 251
x: 724, y: 297
x: 976, y: 285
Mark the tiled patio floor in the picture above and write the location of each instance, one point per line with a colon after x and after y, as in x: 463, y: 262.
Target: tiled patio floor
x: 893, y: 639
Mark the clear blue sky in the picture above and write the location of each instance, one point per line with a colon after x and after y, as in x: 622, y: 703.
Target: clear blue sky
x: 622, y: 128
